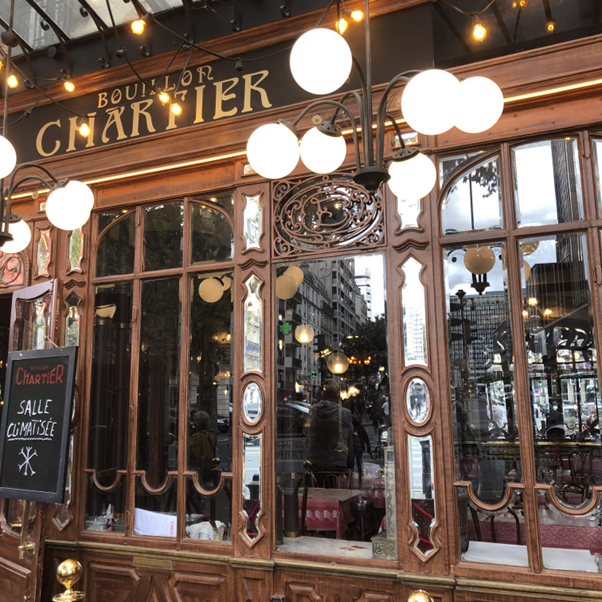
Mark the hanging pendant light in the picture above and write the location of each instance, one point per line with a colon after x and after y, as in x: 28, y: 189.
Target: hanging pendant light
x: 412, y: 178
x: 68, y: 206
x: 479, y: 260
x: 337, y: 362
x: 286, y: 287
x: 323, y: 152
x: 296, y: 272
x: 21, y: 236
x: 321, y: 61
x: 211, y: 290
x: 479, y: 105
x: 304, y: 333
x: 8, y: 157
x: 273, y: 150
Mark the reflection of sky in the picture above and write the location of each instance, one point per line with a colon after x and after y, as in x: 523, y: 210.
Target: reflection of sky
x: 534, y: 175
x: 458, y: 277
x: 546, y: 253
x: 486, y: 207
x: 375, y: 265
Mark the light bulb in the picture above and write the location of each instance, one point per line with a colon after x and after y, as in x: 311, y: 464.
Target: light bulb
x: 479, y: 33
x: 68, y: 207
x: 412, y: 179
x: 551, y: 26
x: 337, y: 362
x: 342, y: 25
x: 321, y: 61
x: 84, y: 129
x: 532, y: 301
x: 164, y: 97
x: 322, y: 153
x: 304, y: 333
x: 479, y: 105
x: 176, y: 109
x: 479, y: 260
x: 8, y: 157
x: 273, y: 150
x: 21, y: 237
x: 138, y: 26
x: 69, y: 86
x: 357, y: 15
x: 211, y: 290
x: 429, y: 102
x: 12, y: 81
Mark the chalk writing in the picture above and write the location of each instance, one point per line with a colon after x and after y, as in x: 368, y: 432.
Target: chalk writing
x: 28, y: 454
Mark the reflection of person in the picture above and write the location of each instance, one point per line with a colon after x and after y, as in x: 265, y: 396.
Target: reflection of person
x: 330, y: 434
x: 591, y: 424
x: 202, y: 444
x: 555, y: 422
x: 361, y: 443
x: 387, y: 412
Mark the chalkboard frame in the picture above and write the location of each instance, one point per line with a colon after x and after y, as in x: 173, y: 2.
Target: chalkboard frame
x: 57, y: 495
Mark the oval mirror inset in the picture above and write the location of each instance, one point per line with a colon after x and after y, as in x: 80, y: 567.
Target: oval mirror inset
x: 418, y: 400
x: 252, y: 402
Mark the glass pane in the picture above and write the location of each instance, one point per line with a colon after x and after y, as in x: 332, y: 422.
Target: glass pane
x: 5, y: 303
x: 252, y: 402
x: 115, y: 252
x: 32, y: 325
x: 156, y: 514
x: 449, y: 165
x: 109, y: 399
x: 414, y: 315
x: 209, y: 517
x: 408, y: 213
x: 597, y: 145
x: 76, y: 250
x: 252, y: 221
x: 251, y: 482
x: 547, y: 182
x: 333, y: 411
x: 253, y: 325
x: 44, y: 252
x: 418, y: 400
x: 105, y: 219
x: 209, y: 400
x: 212, y: 237
x: 72, y: 321
x: 422, y: 492
x: 163, y: 237
x: 106, y: 510
x: 159, y: 379
x: 474, y: 200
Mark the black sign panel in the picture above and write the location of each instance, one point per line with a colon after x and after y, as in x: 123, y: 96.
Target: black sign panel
x: 34, y: 436
x: 214, y: 91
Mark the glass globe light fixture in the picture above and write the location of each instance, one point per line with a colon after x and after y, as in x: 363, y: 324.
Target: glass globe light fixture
x: 296, y: 272
x: 286, y: 287
x: 226, y: 282
x: 527, y: 269
x: 428, y: 102
x: 273, y: 150
x: 68, y: 207
x: 304, y: 333
x: 211, y: 290
x: 21, y: 237
x: 321, y: 61
x: 412, y: 178
x: 323, y: 152
x: 8, y: 157
x: 337, y: 362
x: 479, y: 104
x: 479, y: 260
x: 420, y: 596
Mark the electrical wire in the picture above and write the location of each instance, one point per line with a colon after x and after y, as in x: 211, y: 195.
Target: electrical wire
x: 480, y: 12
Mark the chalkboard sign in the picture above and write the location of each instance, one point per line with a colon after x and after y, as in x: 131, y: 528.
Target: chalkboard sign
x: 34, y: 436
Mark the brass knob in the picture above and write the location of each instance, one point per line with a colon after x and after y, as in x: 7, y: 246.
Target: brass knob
x: 420, y: 596
x: 68, y: 574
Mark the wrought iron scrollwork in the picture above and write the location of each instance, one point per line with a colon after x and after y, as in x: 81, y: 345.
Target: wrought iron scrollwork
x: 325, y: 212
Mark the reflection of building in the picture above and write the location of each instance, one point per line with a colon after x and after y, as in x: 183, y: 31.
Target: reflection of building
x: 363, y: 283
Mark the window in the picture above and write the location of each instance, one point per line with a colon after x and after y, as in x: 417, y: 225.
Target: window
x: 160, y: 401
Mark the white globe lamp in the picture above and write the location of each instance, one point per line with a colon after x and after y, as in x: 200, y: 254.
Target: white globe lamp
x: 479, y: 260
x: 211, y: 290
x: 337, y: 362
x: 296, y: 272
x: 304, y: 333
x: 413, y: 178
x: 480, y: 104
x: 8, y: 157
x: 21, y: 237
x: 322, y: 153
x: 321, y: 61
x: 273, y: 150
x: 68, y: 207
x: 429, y: 102
x: 286, y: 287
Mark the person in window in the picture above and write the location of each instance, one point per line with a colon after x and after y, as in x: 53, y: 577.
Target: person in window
x: 330, y: 434
x: 202, y: 445
x: 387, y: 412
x: 361, y: 444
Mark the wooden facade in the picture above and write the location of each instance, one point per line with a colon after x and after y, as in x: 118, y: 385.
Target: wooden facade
x: 544, y: 100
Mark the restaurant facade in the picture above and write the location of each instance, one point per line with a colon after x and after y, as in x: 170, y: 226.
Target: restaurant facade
x: 299, y: 390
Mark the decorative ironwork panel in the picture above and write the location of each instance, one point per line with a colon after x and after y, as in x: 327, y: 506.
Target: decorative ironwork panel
x: 325, y: 212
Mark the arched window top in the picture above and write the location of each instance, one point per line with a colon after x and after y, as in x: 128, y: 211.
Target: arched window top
x: 115, y: 253
x: 212, y: 235
x: 472, y: 200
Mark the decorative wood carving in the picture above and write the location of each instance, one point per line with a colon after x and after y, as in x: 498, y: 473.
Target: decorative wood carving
x: 190, y: 587
x: 302, y: 592
x: 254, y: 590
x: 110, y: 583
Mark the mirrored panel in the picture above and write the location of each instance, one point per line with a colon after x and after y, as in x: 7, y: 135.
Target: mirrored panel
x: 408, y: 213
x: 76, y: 250
x: 334, y: 447
x: 547, y: 182
x: 44, y: 252
x: 251, y: 482
x: 474, y: 200
x: 414, y: 315
x: 252, y: 226
x: 163, y: 237
x: 252, y: 402
x: 253, y: 320
x: 72, y: 321
x: 422, y: 491
x: 209, y: 517
x: 597, y: 150
x: 418, y: 400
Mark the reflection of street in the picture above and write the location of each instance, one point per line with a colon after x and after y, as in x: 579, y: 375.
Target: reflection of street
x: 252, y: 462
x: 224, y: 450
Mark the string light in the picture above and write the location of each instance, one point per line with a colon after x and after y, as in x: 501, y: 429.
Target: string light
x: 12, y: 81
x: 164, y: 97
x: 342, y: 25
x: 478, y: 31
x: 176, y: 109
x: 522, y: 4
x: 84, y: 130
x: 551, y: 26
x: 138, y: 26
x: 69, y: 86
x: 357, y: 15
